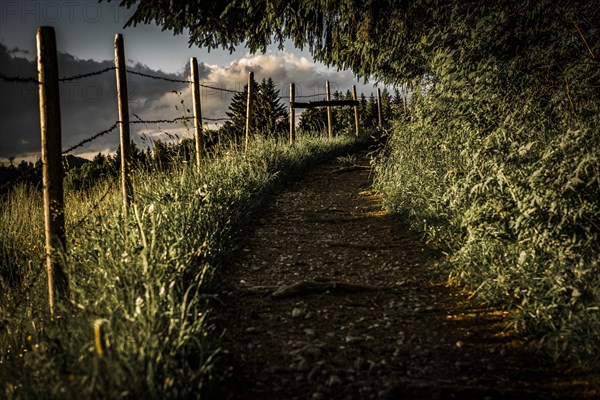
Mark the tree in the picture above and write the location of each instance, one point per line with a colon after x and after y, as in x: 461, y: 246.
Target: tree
x: 268, y: 118
x: 344, y: 33
x: 313, y: 119
x: 272, y: 117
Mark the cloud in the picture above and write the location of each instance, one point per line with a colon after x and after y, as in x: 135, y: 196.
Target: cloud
x: 89, y: 105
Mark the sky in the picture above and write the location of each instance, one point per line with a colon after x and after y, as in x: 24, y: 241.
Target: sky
x: 85, y: 33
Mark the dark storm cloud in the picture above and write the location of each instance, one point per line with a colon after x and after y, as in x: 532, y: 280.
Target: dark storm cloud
x: 88, y: 105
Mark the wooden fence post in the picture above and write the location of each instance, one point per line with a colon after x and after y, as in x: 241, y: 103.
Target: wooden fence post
x: 122, y: 97
x: 197, y: 111
x: 355, y: 110
x: 329, y: 115
x: 54, y: 216
x: 249, y: 109
x: 379, y: 107
x: 292, y: 113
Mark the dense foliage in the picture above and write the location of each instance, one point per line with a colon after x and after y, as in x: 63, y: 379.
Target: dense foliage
x: 345, y: 33
x: 500, y: 160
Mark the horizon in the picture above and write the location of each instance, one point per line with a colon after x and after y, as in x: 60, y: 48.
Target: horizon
x: 85, y: 33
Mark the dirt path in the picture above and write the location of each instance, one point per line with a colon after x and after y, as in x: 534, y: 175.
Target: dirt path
x: 368, y: 322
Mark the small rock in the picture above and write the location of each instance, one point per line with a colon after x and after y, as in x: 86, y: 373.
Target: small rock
x: 315, y: 370
x: 300, y: 364
x: 353, y: 339
x: 334, y: 380
x: 298, y: 312
x: 318, y: 396
x: 313, y: 351
x: 309, y: 332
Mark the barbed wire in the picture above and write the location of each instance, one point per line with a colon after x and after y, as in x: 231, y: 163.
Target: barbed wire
x: 63, y: 79
x: 309, y: 95
x: 86, y: 75
x: 162, y: 78
x: 92, y: 138
x: 221, y: 89
x: 159, y: 121
x: 302, y: 97
x: 216, y: 119
x: 182, y: 81
x: 7, y: 78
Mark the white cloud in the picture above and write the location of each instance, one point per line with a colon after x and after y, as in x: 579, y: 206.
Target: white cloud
x: 89, y: 106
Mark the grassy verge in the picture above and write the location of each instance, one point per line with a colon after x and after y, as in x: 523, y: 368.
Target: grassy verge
x: 513, y: 191
x: 143, y: 280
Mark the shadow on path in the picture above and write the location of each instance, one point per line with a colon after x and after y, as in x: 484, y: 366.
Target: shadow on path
x: 367, y: 321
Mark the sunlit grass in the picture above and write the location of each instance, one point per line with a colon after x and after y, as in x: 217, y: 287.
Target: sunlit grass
x: 513, y: 197
x: 146, y: 276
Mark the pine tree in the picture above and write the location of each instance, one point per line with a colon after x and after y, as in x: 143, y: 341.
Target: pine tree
x: 314, y: 120
x: 272, y: 116
x: 268, y: 116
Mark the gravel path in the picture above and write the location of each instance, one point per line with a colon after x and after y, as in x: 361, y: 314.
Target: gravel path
x: 365, y: 318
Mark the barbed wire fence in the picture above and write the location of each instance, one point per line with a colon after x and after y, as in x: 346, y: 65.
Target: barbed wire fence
x: 51, y: 161
x: 51, y: 165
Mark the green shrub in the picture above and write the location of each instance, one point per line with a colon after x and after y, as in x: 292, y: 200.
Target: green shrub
x: 499, y: 160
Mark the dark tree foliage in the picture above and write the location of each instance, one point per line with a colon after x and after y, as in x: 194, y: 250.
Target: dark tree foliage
x: 269, y: 116
x: 315, y: 119
x: 390, y: 39
x: 344, y: 33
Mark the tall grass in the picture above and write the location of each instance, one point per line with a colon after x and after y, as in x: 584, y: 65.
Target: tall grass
x: 145, y: 278
x: 499, y: 159
x: 514, y: 195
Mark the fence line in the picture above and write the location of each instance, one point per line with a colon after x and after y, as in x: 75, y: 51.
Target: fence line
x: 156, y: 77
x: 123, y: 106
x: 86, y: 75
x: 249, y: 108
x: 20, y: 79
x: 199, y: 142
x: 92, y: 138
x: 51, y: 166
x: 326, y: 103
x: 218, y: 88
x: 159, y: 121
x: 54, y: 217
x: 160, y: 78
x: 217, y: 119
